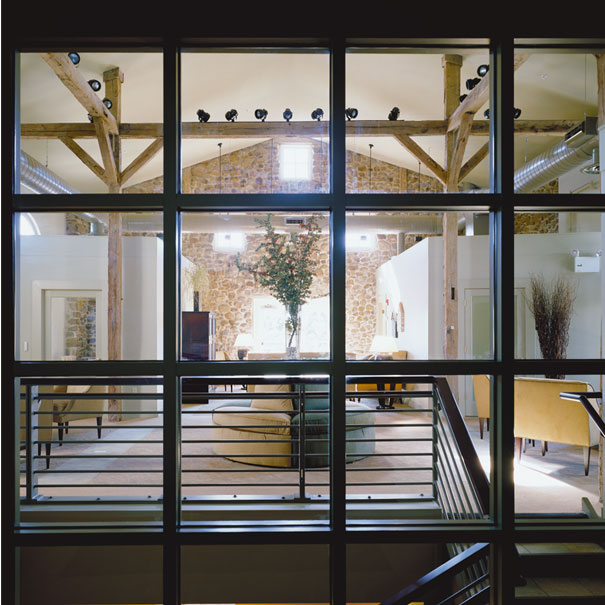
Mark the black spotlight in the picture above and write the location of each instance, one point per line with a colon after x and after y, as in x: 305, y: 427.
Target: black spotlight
x: 231, y: 115
x: 90, y: 118
x: 393, y: 114
x: 351, y: 113
x: 287, y: 114
x: 462, y: 97
x: 95, y: 85
x: 486, y: 114
x: 516, y: 112
x: 202, y: 115
x: 317, y: 114
x: 260, y: 114
x: 107, y: 103
x: 75, y: 58
x: 482, y: 70
x: 472, y: 82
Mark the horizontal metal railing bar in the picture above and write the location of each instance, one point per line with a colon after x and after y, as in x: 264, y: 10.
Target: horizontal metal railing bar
x: 105, y: 427
x: 94, y: 396
x: 248, y: 455
x: 92, y: 380
x: 244, y: 470
x: 77, y: 456
x: 95, y: 485
x: 53, y: 471
x: 102, y: 442
x: 386, y: 468
x: 236, y: 484
x: 390, y: 454
x: 385, y: 483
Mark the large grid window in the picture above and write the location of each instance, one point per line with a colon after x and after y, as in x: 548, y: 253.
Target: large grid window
x: 411, y: 442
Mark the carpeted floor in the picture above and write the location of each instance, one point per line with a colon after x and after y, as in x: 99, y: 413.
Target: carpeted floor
x: 554, y: 483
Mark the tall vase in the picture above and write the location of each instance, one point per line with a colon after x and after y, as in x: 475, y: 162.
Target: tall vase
x: 196, y: 301
x: 293, y: 333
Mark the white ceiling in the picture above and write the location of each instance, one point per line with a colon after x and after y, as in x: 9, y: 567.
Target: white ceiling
x: 547, y: 86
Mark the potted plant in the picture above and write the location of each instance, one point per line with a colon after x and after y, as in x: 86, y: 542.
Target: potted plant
x: 552, y: 308
x: 286, y: 270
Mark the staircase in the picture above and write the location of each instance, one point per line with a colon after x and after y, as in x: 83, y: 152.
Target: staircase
x: 561, y: 573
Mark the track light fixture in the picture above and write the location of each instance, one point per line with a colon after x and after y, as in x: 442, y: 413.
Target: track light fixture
x: 202, y: 115
x: 462, y: 97
x: 393, y: 114
x: 482, y: 70
x: 75, y: 57
x: 260, y: 114
x: 486, y: 114
x: 317, y: 114
x: 231, y: 115
x: 90, y: 118
x: 516, y: 112
x: 107, y: 103
x: 472, y: 82
x: 287, y: 114
x: 95, y: 85
x: 351, y: 113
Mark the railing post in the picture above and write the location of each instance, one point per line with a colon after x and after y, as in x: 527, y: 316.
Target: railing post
x: 31, y: 435
x: 434, y: 443
x: 301, y: 442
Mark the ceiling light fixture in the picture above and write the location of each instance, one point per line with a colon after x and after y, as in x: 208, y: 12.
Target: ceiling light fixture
x: 90, y: 118
x: 203, y: 116
x: 351, y: 113
x: 394, y: 114
x: 486, y: 114
x: 317, y: 114
x: 95, y: 85
x: 472, y: 82
x: 231, y: 115
x: 107, y: 103
x: 75, y: 57
x: 482, y: 70
x: 260, y: 114
x: 287, y: 114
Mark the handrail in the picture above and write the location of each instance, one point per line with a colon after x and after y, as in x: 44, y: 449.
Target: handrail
x: 467, y: 449
x: 435, y: 577
x: 583, y: 399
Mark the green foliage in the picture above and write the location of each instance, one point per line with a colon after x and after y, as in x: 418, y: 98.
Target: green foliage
x: 286, y: 267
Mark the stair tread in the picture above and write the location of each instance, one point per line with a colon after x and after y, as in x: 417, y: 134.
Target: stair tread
x: 569, y: 548
x: 561, y: 587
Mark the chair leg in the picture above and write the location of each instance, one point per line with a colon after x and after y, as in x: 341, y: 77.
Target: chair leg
x: 60, y: 433
x: 480, y: 428
x: 586, y: 460
x: 518, y: 444
x: 47, y: 455
x: 99, y: 425
x: 487, y: 423
x: 66, y: 427
x: 544, y: 447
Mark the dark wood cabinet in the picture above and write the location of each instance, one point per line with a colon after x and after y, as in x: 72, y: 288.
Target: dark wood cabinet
x: 197, y: 344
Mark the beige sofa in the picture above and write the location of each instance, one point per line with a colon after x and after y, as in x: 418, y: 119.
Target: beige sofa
x: 541, y: 414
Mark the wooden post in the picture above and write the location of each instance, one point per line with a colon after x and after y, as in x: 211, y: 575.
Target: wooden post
x: 451, y: 100
x: 113, y: 79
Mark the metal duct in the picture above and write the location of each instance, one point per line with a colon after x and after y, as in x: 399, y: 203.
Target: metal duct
x: 40, y: 179
x: 559, y: 159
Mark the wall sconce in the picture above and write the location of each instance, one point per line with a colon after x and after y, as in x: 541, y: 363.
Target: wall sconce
x: 231, y: 115
x: 287, y: 114
x: 75, y: 58
x: 202, y: 115
x: 394, y: 114
x: 351, y: 113
x: 317, y: 114
x: 260, y: 114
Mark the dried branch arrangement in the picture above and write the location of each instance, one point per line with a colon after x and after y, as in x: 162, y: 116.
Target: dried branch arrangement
x: 552, y: 308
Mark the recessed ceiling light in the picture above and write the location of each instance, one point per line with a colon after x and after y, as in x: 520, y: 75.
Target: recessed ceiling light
x: 543, y: 76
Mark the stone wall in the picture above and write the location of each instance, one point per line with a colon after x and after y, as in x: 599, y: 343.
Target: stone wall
x: 80, y: 327
x: 536, y: 222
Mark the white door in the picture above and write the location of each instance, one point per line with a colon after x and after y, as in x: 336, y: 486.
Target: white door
x: 478, y: 334
x: 73, y: 325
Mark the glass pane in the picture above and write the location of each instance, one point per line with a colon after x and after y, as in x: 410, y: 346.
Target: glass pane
x: 91, y: 122
x: 274, y: 573
x: 400, y: 299
x: 558, y: 451
x: 242, y: 443
x: 90, y: 286
x: 255, y: 286
x: 255, y: 122
x: 556, y: 109
x: 90, y: 575
x: 558, y: 284
x: 83, y: 438
x: 418, y: 122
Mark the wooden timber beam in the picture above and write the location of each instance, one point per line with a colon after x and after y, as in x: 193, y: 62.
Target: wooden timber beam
x: 422, y: 156
x: 88, y: 161
x: 145, y: 156
x: 477, y: 97
x: 360, y: 128
x: 111, y: 172
x: 473, y: 162
x: 76, y: 83
x: 453, y: 169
